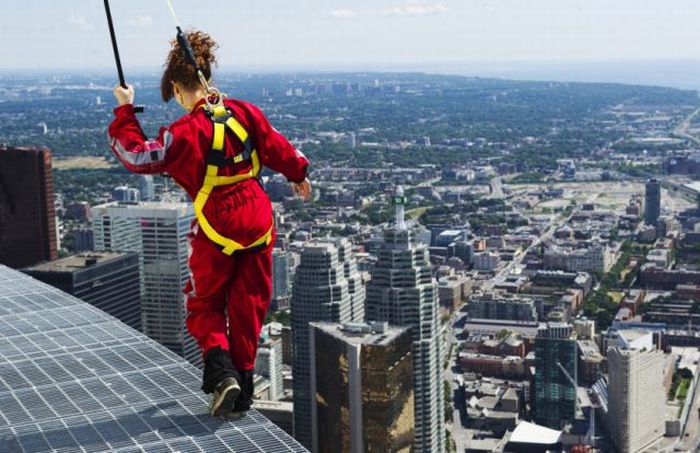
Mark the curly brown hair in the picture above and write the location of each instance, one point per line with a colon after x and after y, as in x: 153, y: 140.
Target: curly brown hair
x: 177, y: 69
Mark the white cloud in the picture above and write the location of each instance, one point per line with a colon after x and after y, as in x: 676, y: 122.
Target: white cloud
x: 140, y: 21
x: 415, y: 8
x: 79, y: 21
x: 342, y: 14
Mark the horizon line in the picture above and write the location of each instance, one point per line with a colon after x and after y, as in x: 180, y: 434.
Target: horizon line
x: 371, y: 66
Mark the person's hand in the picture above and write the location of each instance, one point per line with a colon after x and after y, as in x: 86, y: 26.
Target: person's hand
x: 302, y: 189
x: 124, y: 95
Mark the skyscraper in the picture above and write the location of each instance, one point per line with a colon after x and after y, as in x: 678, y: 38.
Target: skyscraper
x: 403, y: 292
x: 147, y: 188
x: 321, y: 292
x: 126, y: 194
x: 637, y: 397
x: 157, y: 232
x: 652, y: 201
x: 108, y: 281
x: 27, y: 212
x: 356, y: 286
x: 351, y: 139
x: 280, y: 273
x: 268, y: 363
x: 361, y: 380
x: 555, y: 357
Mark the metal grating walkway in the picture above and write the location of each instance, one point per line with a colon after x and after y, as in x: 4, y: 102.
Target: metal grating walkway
x: 74, y: 379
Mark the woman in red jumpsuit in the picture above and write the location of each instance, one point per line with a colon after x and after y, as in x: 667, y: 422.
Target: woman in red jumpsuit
x: 227, y: 295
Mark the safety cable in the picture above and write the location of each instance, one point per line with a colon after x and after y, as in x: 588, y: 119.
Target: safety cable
x: 214, y: 97
x: 172, y: 12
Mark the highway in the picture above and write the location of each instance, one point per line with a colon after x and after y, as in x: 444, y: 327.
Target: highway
x: 681, y: 130
x: 496, y: 186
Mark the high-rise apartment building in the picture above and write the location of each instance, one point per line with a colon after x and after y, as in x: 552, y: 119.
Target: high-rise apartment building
x: 157, y: 232
x: 637, y: 398
x: 356, y: 287
x: 280, y: 274
x: 27, y: 211
x: 268, y: 363
x: 362, y: 384
x: 403, y: 292
x: 321, y: 292
x: 555, y: 368
x: 106, y: 280
x: 147, y: 189
x: 652, y: 201
x: 126, y: 194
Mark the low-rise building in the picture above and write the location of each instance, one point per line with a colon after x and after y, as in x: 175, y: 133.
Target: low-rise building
x: 652, y: 277
x: 584, y: 328
x: 580, y: 257
x: 491, y: 306
x: 486, y: 261
x: 453, y: 290
x: 493, y: 405
x: 590, y: 362
x: 509, y: 367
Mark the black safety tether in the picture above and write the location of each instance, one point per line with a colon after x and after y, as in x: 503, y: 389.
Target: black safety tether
x: 115, y: 48
x: 187, y: 49
x: 214, y: 97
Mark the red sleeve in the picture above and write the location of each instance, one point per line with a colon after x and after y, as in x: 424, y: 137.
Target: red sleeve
x: 274, y: 149
x: 133, y: 149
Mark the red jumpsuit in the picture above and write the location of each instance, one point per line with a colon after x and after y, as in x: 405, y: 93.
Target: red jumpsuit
x: 237, y: 287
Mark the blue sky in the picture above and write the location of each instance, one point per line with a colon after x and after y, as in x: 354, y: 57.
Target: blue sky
x: 325, y: 34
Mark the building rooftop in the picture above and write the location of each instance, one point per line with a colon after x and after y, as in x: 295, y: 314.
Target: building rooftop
x: 687, y: 357
x: 274, y: 405
x: 72, y: 263
x: 589, y: 350
x: 530, y: 433
x: 146, y: 206
x: 72, y: 378
x: 361, y: 333
x: 493, y: 326
x: 631, y: 335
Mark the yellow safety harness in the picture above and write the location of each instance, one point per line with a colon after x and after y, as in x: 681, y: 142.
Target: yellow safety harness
x: 223, y: 119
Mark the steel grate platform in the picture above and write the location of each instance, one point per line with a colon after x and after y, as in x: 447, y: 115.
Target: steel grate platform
x: 74, y: 379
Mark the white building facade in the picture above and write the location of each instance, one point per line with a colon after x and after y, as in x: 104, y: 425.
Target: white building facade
x: 157, y: 232
x: 637, y: 397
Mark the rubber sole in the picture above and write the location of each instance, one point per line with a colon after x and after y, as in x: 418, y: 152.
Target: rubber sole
x: 226, y: 400
x: 235, y: 415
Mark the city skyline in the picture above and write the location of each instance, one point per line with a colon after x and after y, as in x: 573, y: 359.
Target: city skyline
x: 536, y: 244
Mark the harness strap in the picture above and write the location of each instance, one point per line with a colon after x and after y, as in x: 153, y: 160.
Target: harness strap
x: 222, y: 120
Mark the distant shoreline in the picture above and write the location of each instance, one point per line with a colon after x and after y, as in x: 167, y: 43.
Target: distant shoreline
x: 667, y: 73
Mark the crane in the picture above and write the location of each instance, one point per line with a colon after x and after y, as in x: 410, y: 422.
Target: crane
x: 590, y: 435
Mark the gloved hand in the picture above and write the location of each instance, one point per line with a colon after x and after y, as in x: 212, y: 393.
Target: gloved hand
x: 124, y: 95
x: 302, y: 189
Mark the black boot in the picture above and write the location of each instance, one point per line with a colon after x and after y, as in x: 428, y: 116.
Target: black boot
x: 221, y: 379
x: 245, y: 399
